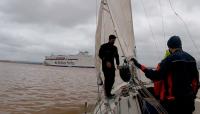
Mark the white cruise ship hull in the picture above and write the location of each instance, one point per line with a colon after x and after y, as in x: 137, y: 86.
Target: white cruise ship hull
x: 70, y: 61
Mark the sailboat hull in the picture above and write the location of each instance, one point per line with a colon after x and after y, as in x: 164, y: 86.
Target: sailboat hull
x: 120, y: 104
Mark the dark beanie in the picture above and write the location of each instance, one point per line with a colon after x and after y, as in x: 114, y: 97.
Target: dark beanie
x: 174, y: 42
x: 112, y: 37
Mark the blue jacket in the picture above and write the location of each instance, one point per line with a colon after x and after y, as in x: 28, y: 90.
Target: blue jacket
x: 184, y: 74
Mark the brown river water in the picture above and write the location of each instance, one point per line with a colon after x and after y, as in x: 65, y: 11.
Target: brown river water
x: 38, y: 89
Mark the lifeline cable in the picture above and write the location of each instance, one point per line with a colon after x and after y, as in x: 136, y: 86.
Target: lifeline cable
x: 151, y: 30
x: 163, y: 21
x: 186, y: 27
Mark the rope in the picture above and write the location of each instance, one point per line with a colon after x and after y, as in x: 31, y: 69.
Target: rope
x: 119, y: 108
x: 151, y: 30
x: 186, y: 27
x: 163, y: 21
x: 147, y: 94
x: 104, y: 36
x: 115, y: 28
x: 98, y: 89
x: 98, y: 103
x: 96, y: 12
x: 138, y: 106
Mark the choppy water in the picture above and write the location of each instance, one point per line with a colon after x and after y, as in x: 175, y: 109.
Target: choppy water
x: 38, y: 89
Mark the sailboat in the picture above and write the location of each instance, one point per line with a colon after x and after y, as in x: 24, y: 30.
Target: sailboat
x: 115, y: 17
x: 132, y: 97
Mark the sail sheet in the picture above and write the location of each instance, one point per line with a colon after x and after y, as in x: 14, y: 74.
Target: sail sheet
x: 115, y: 17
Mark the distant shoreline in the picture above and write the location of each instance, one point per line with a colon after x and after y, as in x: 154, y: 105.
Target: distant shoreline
x: 21, y: 62
x: 39, y: 63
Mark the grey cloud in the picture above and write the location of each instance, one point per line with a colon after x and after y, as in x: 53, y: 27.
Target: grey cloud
x: 62, y: 12
x: 32, y: 29
x: 28, y: 42
x: 150, y: 49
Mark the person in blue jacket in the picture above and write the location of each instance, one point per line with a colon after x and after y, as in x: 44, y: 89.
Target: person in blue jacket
x: 180, y: 75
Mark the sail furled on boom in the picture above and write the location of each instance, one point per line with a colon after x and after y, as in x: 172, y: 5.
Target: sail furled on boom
x: 115, y: 17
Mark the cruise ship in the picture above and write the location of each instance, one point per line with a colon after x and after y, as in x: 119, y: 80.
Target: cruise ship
x: 82, y: 59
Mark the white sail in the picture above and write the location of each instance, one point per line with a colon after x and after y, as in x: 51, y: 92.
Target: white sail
x: 115, y: 17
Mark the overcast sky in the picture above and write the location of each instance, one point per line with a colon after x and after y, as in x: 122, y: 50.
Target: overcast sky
x: 32, y: 29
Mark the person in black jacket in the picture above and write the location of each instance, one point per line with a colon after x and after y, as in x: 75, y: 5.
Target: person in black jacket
x: 181, y: 78
x: 108, y: 52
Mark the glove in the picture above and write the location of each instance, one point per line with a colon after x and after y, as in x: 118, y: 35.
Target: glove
x: 136, y: 63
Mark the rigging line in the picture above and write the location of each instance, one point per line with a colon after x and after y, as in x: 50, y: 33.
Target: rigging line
x: 124, y: 15
x: 99, y: 108
x: 139, y: 82
x: 99, y: 104
x: 99, y: 93
x: 163, y: 21
x: 146, y: 93
x: 151, y: 30
x: 96, y: 12
x: 115, y: 27
x: 99, y: 96
x: 134, y: 70
x: 159, y: 107
x: 137, y: 105
x: 186, y: 27
x: 92, y: 108
x: 138, y: 86
x: 103, y: 30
